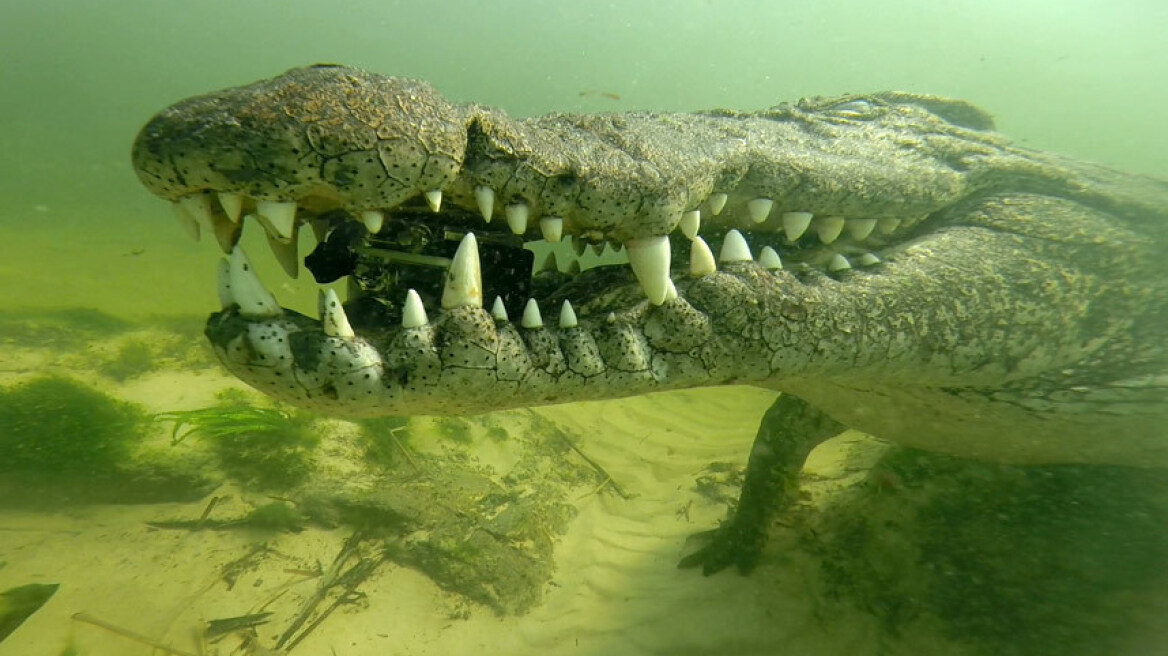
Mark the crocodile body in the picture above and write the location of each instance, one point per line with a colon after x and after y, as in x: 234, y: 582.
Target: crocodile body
x: 888, y: 262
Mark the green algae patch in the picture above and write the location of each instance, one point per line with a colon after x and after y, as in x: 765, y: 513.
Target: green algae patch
x: 268, y: 448
x: 59, y: 426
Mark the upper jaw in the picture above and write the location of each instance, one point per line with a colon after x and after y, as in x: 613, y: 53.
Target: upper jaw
x: 329, y: 147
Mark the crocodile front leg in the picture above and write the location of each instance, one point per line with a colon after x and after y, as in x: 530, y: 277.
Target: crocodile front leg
x: 790, y: 429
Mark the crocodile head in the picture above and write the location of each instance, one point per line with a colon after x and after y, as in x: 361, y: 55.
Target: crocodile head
x: 877, y: 248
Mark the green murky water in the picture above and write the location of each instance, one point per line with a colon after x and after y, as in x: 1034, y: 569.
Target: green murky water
x: 98, y: 283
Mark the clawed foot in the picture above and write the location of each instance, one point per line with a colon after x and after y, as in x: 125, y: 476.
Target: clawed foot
x: 729, y: 544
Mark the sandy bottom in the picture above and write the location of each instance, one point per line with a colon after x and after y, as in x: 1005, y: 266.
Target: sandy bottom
x: 615, y: 591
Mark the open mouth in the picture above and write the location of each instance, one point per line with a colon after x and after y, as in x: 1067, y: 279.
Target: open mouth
x: 387, y: 253
x: 657, y: 245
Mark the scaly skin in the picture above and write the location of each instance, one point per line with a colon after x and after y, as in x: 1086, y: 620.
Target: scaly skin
x: 1020, y: 312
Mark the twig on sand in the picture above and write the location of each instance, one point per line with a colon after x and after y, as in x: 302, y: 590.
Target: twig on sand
x: 335, y: 576
x: 126, y: 633
x: 607, y: 478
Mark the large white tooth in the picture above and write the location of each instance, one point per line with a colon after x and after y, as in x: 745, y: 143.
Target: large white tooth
x: 253, y: 298
x: 286, y: 253
x: 759, y: 209
x: 226, y: 232
x: 198, y: 206
x: 498, y: 310
x: 552, y: 228
x: 838, y: 263
x: 716, y: 202
x: 277, y: 216
x: 734, y: 248
x: 188, y: 223
x: 859, y: 229
x: 332, y: 315
x: 226, y: 298
x: 413, y: 312
x: 232, y: 204
x: 373, y: 220
x: 690, y: 223
x: 888, y: 225
x: 649, y: 258
x: 485, y: 197
x: 701, y: 258
x: 320, y: 229
x: 768, y: 258
x: 829, y: 228
x: 464, y: 279
x: 434, y: 199
x: 868, y: 259
x: 567, y: 315
x: 670, y: 292
x: 516, y: 214
x: 795, y: 224
x: 531, y: 318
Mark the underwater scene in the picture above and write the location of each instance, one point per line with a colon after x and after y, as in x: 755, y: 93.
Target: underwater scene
x: 545, y: 327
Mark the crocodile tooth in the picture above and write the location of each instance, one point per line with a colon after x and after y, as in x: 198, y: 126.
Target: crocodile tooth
x: 485, y: 197
x: 670, y: 292
x: 464, y: 279
x: 610, y: 318
x: 888, y: 225
x: 734, y: 248
x: 188, y: 223
x: 516, y: 217
x: 829, y: 228
x: 768, y: 258
x: 567, y: 315
x: 332, y: 315
x: 838, y: 263
x: 232, y: 204
x: 552, y: 228
x: 199, y: 207
x: 597, y: 248
x: 759, y: 209
x: 649, y: 258
x: 226, y: 298
x: 573, y: 268
x: 320, y: 229
x: 795, y: 224
x: 226, y: 232
x: 498, y: 310
x: 531, y: 318
x: 716, y: 203
x: 690, y: 223
x: 859, y: 229
x: 701, y: 259
x: 434, y: 199
x: 253, y: 298
x: 286, y: 253
x: 868, y: 259
x: 373, y: 220
x: 277, y: 216
x: 579, y: 246
x: 413, y: 312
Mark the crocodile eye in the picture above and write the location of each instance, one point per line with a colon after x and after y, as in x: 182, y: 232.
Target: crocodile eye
x: 853, y: 109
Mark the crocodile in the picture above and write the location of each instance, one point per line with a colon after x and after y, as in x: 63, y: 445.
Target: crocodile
x: 887, y: 262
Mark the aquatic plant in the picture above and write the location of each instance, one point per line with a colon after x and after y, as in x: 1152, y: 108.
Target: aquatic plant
x: 134, y: 358
x: 56, y: 425
x: 268, y: 447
